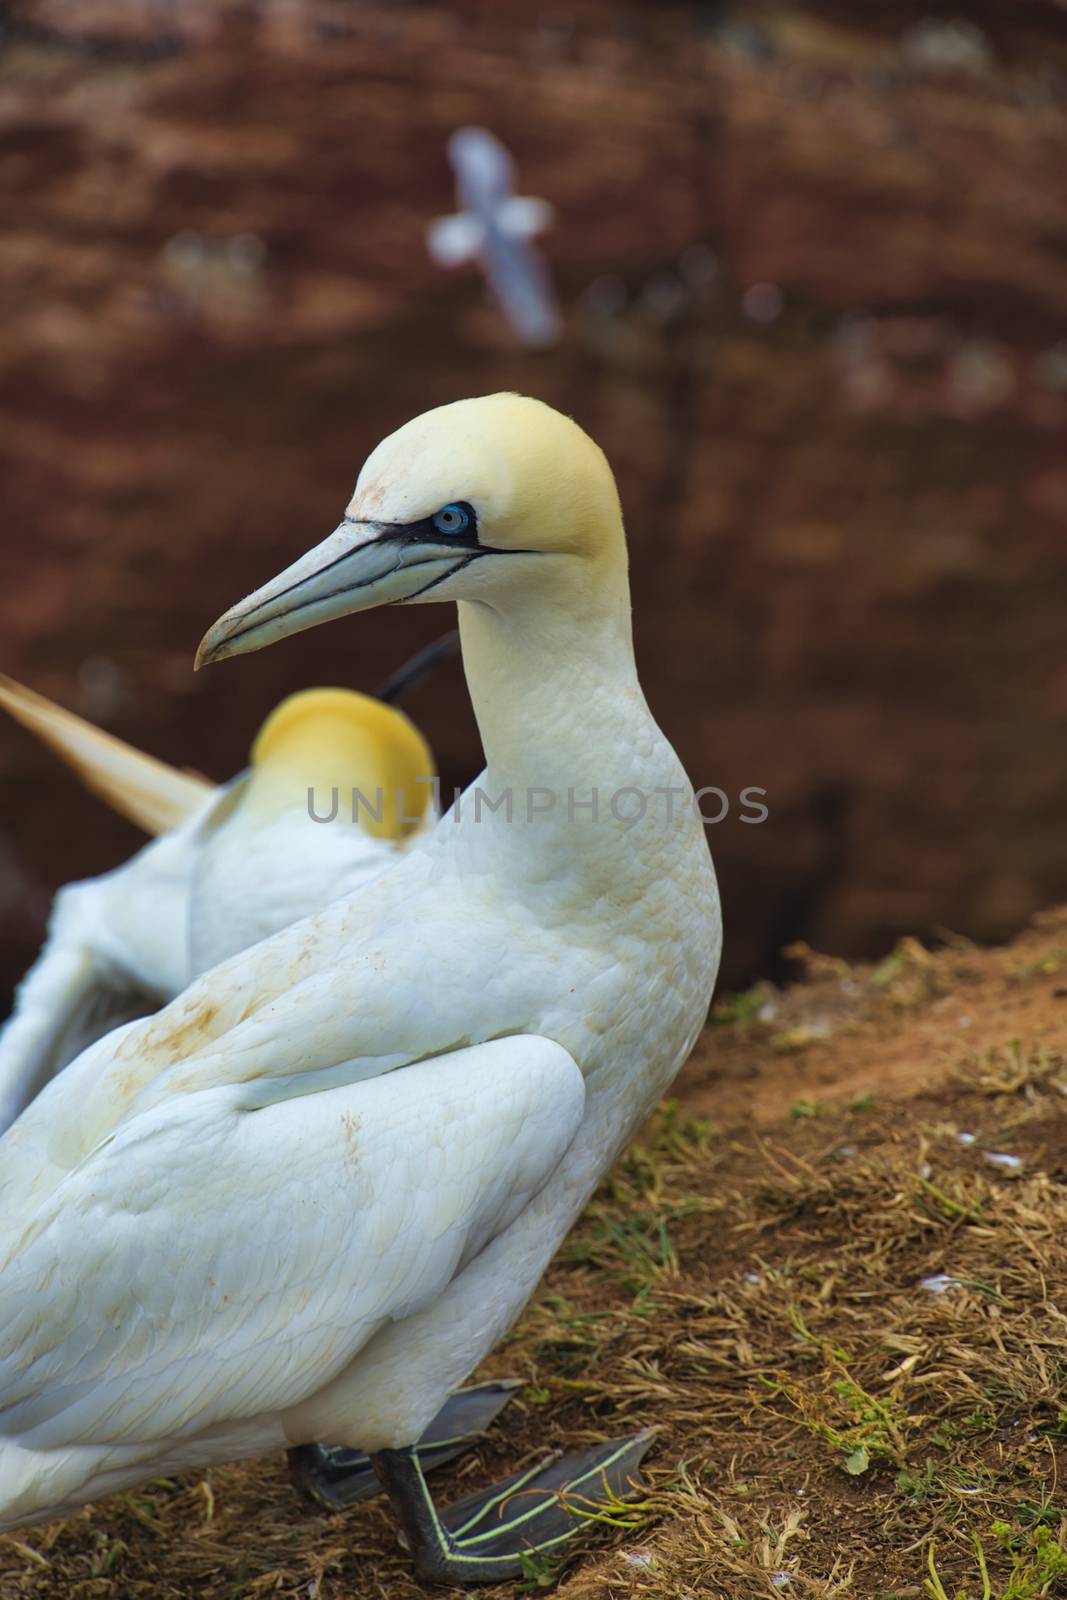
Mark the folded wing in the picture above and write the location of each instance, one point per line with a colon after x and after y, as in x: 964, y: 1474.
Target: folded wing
x: 207, y: 1262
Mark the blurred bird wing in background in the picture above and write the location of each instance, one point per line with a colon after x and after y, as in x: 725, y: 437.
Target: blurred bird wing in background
x: 485, y: 171
x: 522, y: 216
x: 454, y: 240
x: 147, y: 792
x: 495, y: 228
x: 116, y: 946
x: 116, y: 949
x: 520, y: 281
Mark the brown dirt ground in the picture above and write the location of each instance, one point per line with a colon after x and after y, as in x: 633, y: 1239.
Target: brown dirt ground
x: 750, y: 1281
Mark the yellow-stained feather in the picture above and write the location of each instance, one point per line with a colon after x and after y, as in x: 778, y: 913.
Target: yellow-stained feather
x: 324, y: 739
x: 148, y: 792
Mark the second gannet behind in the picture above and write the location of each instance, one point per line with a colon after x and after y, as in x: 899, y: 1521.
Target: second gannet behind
x: 306, y: 1199
x: 338, y: 785
x: 230, y: 865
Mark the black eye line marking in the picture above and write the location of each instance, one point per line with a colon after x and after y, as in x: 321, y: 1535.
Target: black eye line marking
x: 424, y: 532
x: 441, y: 576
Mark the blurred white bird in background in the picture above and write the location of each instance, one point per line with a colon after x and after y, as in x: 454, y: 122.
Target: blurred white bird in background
x: 496, y: 227
x: 309, y: 1196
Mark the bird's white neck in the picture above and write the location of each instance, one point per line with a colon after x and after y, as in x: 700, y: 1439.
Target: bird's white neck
x: 554, y: 688
x: 589, y: 794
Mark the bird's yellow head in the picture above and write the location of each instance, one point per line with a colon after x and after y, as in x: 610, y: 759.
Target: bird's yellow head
x: 325, y: 738
x: 482, y: 500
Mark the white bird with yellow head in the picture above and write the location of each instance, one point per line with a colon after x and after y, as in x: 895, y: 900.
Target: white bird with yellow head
x: 308, y: 1197
x: 229, y: 865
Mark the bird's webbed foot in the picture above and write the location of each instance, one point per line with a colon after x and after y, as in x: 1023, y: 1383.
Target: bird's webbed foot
x: 495, y: 1534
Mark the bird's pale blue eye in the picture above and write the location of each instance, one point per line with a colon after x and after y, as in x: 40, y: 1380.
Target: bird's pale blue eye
x: 452, y: 520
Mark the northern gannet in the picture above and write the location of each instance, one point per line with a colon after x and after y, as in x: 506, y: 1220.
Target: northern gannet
x: 306, y: 1199
x: 230, y: 865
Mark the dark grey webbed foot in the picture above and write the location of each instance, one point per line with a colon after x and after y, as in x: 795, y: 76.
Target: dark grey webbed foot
x: 491, y: 1536
x: 337, y: 1477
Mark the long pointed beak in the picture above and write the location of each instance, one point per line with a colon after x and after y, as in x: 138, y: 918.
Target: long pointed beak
x: 360, y: 565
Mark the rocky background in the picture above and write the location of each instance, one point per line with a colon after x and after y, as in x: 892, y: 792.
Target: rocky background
x: 811, y: 259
